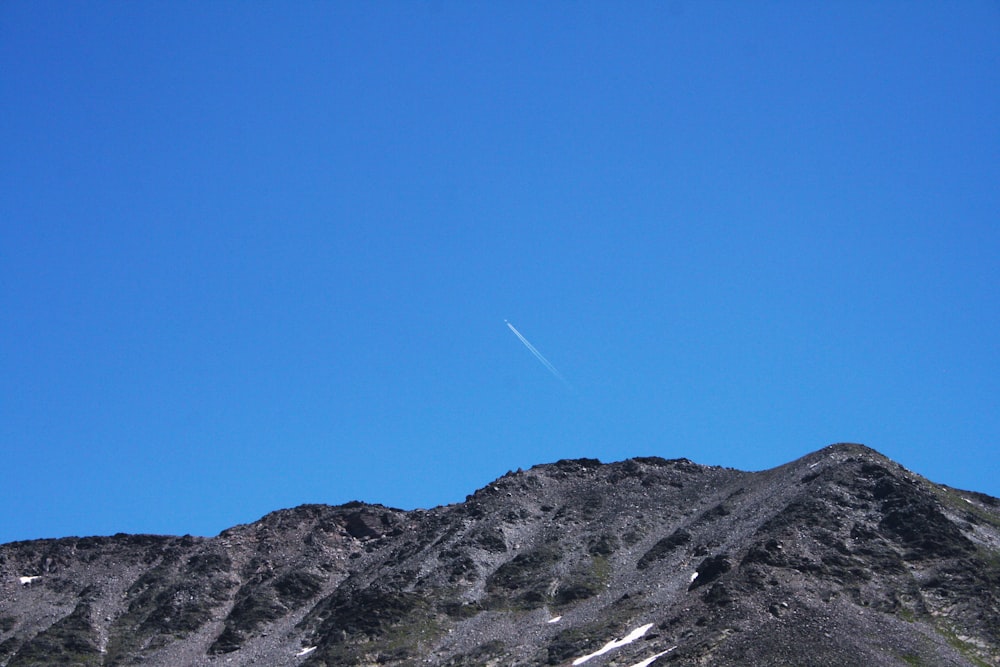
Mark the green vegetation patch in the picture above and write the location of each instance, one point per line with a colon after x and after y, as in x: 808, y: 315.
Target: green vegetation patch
x: 529, y: 581
x: 525, y: 581
x: 489, y: 653
x: 585, y: 581
x: 968, y: 650
x: 69, y: 641
x: 375, y: 626
x: 958, y: 502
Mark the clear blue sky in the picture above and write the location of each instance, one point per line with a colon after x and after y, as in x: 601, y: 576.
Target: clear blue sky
x: 254, y: 255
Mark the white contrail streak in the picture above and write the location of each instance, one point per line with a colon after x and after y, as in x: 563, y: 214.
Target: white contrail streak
x: 538, y: 355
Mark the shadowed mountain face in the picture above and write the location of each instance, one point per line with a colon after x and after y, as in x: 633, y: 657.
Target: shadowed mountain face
x: 839, y: 558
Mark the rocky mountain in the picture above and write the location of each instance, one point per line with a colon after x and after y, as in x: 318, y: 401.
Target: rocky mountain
x: 842, y: 557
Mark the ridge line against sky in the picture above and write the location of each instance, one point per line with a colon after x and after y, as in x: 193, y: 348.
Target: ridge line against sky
x: 254, y: 256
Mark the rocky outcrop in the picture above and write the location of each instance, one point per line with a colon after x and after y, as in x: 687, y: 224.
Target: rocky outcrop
x: 841, y: 557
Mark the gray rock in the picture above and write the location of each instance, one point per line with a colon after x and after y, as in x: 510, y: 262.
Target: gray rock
x: 839, y: 558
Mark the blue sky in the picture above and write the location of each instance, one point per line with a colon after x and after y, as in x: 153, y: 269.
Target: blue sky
x: 254, y: 255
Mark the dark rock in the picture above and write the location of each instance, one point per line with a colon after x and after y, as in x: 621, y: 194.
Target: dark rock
x: 366, y: 525
x: 711, y: 569
x: 661, y: 549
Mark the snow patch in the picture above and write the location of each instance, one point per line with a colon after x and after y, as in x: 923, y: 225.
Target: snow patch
x: 616, y: 643
x: 649, y: 661
x: 554, y: 619
x: 694, y: 575
x: 306, y: 651
x: 27, y: 580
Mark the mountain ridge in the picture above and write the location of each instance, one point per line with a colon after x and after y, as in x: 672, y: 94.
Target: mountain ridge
x: 837, y: 557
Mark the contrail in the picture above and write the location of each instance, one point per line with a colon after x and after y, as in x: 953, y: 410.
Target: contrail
x: 538, y: 355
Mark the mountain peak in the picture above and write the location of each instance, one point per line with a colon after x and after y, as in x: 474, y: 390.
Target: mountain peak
x: 839, y: 557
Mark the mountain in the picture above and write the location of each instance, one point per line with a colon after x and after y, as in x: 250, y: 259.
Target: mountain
x: 842, y: 557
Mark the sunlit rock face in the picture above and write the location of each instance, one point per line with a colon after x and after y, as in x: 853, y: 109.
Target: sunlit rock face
x: 841, y: 557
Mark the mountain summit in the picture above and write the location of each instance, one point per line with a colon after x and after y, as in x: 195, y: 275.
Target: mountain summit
x: 842, y: 557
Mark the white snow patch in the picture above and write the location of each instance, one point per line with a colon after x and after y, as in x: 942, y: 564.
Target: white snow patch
x: 813, y: 465
x: 694, y: 575
x: 306, y: 651
x: 554, y: 619
x: 616, y: 643
x: 649, y: 661
x: 27, y: 580
x: 968, y: 501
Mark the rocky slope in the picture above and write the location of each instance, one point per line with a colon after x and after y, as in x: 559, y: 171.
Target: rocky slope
x: 839, y: 558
